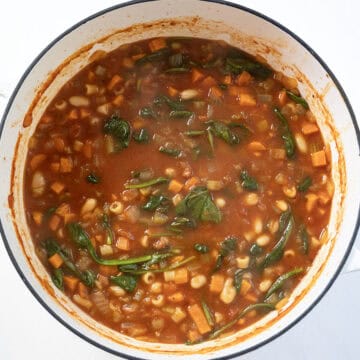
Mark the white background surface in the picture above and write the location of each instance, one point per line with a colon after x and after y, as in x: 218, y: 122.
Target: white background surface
x: 330, y: 331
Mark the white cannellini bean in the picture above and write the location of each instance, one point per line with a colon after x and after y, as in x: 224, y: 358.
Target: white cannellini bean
x: 301, y: 143
x: 89, y: 205
x: 198, y: 281
x: 38, y: 184
x: 189, y: 94
x: 106, y: 250
x: 228, y: 292
x: 220, y: 202
x: 251, y: 199
x: 290, y: 192
x: 281, y: 205
x: 79, y: 101
x: 116, y: 207
x: 263, y: 240
x: 242, y: 262
x: 265, y: 285
x: 117, y: 290
x: 87, y: 304
x: 258, y: 225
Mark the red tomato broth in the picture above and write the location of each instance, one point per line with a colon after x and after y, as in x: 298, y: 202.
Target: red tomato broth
x: 74, y: 144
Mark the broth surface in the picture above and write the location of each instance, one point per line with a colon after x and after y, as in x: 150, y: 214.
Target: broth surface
x: 178, y: 189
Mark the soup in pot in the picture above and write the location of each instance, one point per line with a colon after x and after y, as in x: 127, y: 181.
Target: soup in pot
x: 178, y: 189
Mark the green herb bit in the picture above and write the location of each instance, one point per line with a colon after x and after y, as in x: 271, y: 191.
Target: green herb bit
x: 172, y: 104
x: 298, y: 99
x: 208, y: 313
x: 192, y: 133
x: 80, y: 238
x: 180, y: 114
x: 93, y: 179
x: 155, y: 201
x: 52, y: 247
x: 169, y: 151
x: 255, y: 250
x: 216, y: 332
x: 199, y: 204
x: 147, y: 112
x: 286, y: 135
x: 50, y: 211
x: 181, y: 222
x: 177, y: 70
x: 119, y: 129
x: 279, y: 282
x: 304, y: 239
x: 248, y: 182
x: 223, y: 86
x: 304, y: 184
x: 155, y: 56
x: 156, y: 181
x: 223, y: 131
x: 201, y: 248
x: 240, y: 63
x: 106, y: 225
x: 238, y: 277
x: 57, y: 278
x: 141, y: 136
x: 286, y: 225
x: 227, y: 246
x: 210, y: 137
x: 126, y: 282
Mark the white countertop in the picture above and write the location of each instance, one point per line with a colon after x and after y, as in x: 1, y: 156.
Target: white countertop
x: 331, y: 330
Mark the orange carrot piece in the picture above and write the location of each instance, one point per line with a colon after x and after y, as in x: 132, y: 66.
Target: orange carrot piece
x: 193, y: 335
x: 196, y: 75
x: 227, y: 80
x: 172, y: 91
x: 115, y: 80
x: 70, y: 282
x: 57, y: 187
x: 55, y: 167
x: 46, y: 119
x: 243, y: 79
x: 175, y: 186
x: 245, y: 287
x: 234, y: 90
x: 215, y: 92
x: 84, y: 113
x: 278, y: 154
x: 59, y: 144
x: 87, y: 149
x: 37, y: 217
x: 118, y: 100
x: 191, y: 183
x: 138, y: 56
x: 107, y: 270
x: 309, y: 128
x: 73, y: 114
x: 54, y: 222
x: 318, y: 158
x: 128, y: 63
x: 209, y: 81
x: 256, y: 146
x: 216, y: 283
x: 177, y: 297
x: 247, y: 99
x: 37, y: 160
x: 66, y: 165
x: 56, y: 261
x: 63, y: 209
x: 199, y: 318
x: 181, y: 276
x: 83, y: 290
x: 157, y: 44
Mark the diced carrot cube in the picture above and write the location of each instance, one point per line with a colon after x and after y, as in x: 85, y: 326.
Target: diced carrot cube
x: 128, y: 63
x: 87, y: 149
x: 196, y: 75
x: 115, y: 80
x: 191, y: 183
x: 247, y: 100
x: 256, y: 146
x: 107, y: 270
x: 216, y: 283
x: 278, y: 154
x: 175, y: 186
x: 215, y: 92
x: 234, y: 90
x: 37, y: 160
x: 309, y: 128
x: 176, y: 297
x: 209, y: 81
x: 59, y: 144
x: 123, y: 243
x: 172, y: 91
x: 91, y: 76
x: 119, y: 100
x: 227, y: 80
x: 57, y: 187
x: 56, y: 260
x: 66, y: 164
x: 193, y: 335
x: 243, y: 79
x: 157, y: 44
x: 84, y: 113
x: 318, y: 158
x: 83, y: 290
x: 245, y: 287
x: 282, y: 97
x: 71, y: 282
x: 251, y: 297
x: 54, y: 222
x: 199, y: 318
x: 63, y: 209
x: 181, y: 276
x: 69, y: 218
x: 73, y: 114
x: 37, y: 217
x: 324, y: 198
x: 169, y: 288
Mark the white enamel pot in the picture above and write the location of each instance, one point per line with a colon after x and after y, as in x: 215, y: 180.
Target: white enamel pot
x: 240, y: 27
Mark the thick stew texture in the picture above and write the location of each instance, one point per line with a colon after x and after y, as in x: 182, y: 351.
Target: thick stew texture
x: 178, y: 189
